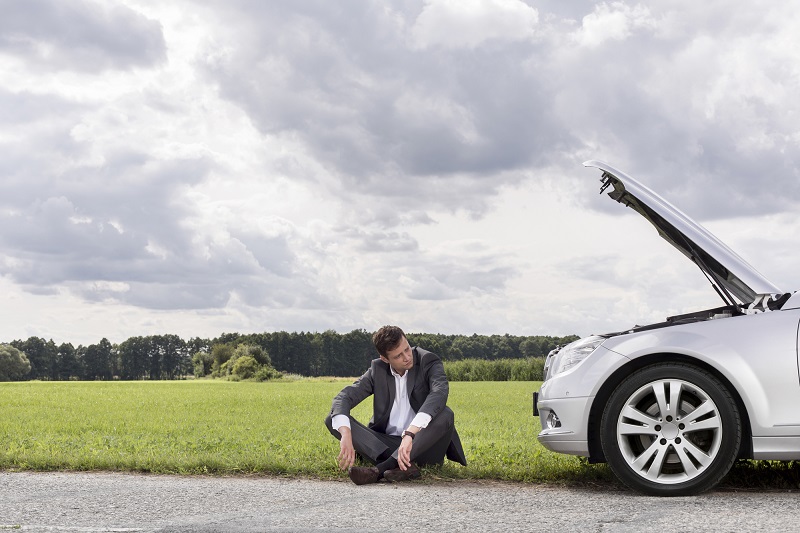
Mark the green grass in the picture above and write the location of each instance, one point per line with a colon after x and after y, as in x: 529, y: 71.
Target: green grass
x: 221, y: 427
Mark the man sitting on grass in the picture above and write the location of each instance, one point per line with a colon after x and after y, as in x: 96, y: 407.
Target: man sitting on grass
x: 411, y: 424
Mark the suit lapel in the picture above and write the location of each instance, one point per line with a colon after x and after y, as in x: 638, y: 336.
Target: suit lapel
x: 391, y: 389
x: 412, y: 374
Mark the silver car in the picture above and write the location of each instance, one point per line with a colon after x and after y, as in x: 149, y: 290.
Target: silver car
x: 671, y: 406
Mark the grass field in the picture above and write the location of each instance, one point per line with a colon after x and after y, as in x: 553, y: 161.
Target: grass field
x: 223, y: 427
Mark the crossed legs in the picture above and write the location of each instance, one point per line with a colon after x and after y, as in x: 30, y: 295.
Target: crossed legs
x: 430, y: 444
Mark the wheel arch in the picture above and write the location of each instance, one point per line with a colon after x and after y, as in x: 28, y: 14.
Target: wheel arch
x: 596, y: 454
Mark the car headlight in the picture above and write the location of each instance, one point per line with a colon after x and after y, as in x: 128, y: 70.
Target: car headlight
x: 570, y: 355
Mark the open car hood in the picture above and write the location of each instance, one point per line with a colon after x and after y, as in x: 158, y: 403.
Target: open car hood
x: 730, y: 275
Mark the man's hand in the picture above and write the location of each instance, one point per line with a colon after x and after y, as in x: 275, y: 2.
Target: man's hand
x: 404, y: 451
x: 347, y: 454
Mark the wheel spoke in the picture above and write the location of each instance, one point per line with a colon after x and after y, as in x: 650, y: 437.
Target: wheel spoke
x: 644, y: 457
x: 661, y: 397
x: 702, y: 410
x: 655, y: 454
x: 658, y: 463
x: 687, y: 448
x: 675, y: 388
x: 634, y: 414
x: 688, y: 466
x: 632, y: 429
x: 709, y: 423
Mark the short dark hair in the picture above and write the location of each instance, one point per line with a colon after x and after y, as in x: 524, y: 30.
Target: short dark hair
x: 387, y: 338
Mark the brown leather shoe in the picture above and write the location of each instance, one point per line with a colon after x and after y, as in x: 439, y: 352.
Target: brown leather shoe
x: 395, y: 474
x: 361, y: 475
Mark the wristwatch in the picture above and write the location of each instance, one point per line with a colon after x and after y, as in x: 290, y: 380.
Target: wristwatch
x: 410, y: 434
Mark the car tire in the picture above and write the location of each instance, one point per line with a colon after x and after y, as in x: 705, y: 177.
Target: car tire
x: 671, y: 429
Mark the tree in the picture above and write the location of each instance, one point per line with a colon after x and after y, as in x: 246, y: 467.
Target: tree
x: 67, y: 362
x: 14, y: 364
x: 134, y: 355
x: 41, y: 355
x: 427, y: 341
x: 301, y: 354
x: 98, y: 360
x: 197, y: 344
x: 173, y: 359
x: 328, y: 348
x: 502, y: 348
x: 467, y: 348
x: 357, y: 352
x: 201, y: 362
x: 221, y: 354
x: 530, y: 347
x: 309, y: 354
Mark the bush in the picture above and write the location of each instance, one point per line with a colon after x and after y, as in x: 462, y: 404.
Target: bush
x: 266, y: 373
x: 14, y: 364
x: 528, y: 369
x: 254, y: 351
x: 245, y: 367
x: 248, y: 351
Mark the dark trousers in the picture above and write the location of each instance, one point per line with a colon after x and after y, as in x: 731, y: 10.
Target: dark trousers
x: 430, y: 444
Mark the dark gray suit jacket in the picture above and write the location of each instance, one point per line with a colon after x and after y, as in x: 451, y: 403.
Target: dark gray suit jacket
x: 427, y: 392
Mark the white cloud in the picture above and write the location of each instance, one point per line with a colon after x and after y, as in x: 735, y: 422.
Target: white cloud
x: 456, y: 24
x: 84, y: 36
x: 613, y: 22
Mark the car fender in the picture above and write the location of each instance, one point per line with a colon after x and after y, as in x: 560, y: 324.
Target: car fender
x: 748, y: 351
x: 585, y: 379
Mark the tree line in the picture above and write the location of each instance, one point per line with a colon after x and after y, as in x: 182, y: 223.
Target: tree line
x: 163, y: 357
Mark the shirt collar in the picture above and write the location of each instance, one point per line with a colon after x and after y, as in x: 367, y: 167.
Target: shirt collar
x: 396, y: 375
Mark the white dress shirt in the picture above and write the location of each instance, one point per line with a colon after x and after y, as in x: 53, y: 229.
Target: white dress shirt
x: 401, y: 415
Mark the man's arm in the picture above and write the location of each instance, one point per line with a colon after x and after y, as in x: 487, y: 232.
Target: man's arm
x: 348, y: 398
x: 438, y: 387
x: 436, y: 400
x: 353, y: 395
x: 404, y: 451
x: 347, y: 453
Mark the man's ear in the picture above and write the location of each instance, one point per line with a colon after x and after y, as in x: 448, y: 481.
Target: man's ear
x: 383, y: 359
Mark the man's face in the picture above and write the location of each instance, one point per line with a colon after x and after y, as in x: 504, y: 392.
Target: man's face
x: 400, y: 357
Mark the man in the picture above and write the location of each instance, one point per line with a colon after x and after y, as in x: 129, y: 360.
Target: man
x: 411, y: 424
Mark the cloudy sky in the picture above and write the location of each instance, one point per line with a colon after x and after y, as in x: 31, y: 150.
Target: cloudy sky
x: 238, y: 165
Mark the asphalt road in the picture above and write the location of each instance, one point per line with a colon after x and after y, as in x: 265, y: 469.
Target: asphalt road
x: 106, y: 502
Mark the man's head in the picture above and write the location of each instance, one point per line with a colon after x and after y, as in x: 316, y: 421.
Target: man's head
x: 392, y: 346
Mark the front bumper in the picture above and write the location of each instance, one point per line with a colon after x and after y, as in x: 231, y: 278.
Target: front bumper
x: 562, y: 427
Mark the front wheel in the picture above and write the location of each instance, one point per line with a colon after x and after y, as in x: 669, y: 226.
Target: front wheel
x: 671, y: 430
